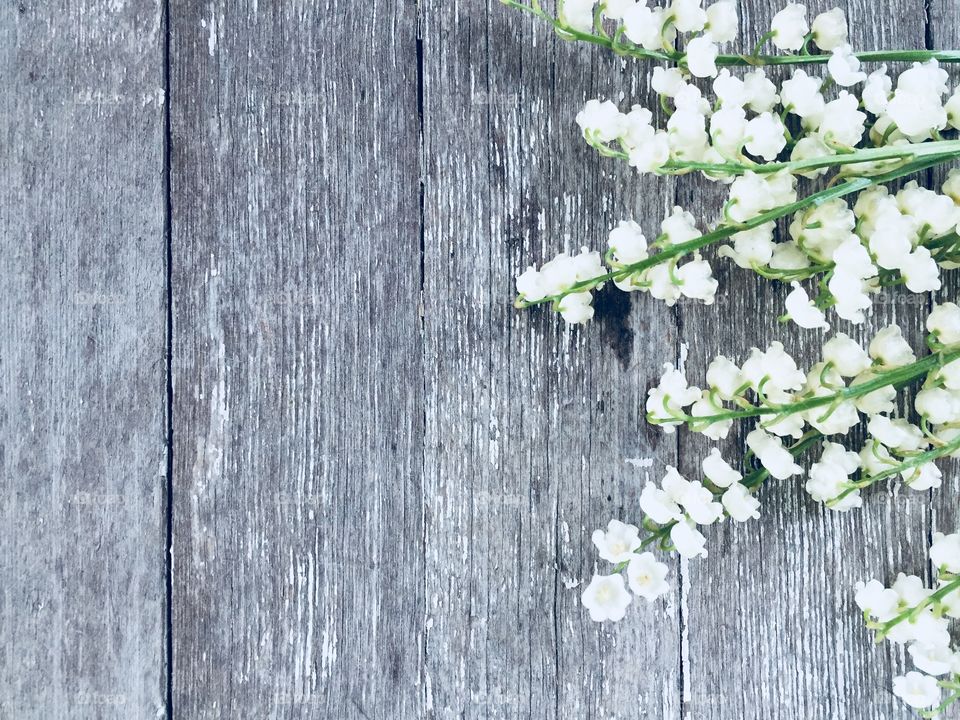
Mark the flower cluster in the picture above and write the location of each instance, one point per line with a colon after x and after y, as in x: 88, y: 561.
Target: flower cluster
x: 673, y: 510
x: 763, y: 135
x: 746, y: 122
x: 848, y: 384
x: 760, y: 137
x: 910, y: 613
x: 606, y: 597
x: 853, y: 250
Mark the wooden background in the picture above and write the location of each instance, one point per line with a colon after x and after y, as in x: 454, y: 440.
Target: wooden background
x: 274, y: 443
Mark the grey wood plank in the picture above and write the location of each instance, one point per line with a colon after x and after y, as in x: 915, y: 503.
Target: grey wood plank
x: 82, y: 365
x: 944, y: 31
x: 529, y: 424
x: 772, y: 627
x: 298, y: 406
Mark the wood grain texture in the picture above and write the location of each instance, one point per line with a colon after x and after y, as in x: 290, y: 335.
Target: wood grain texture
x: 298, y: 401
x: 944, y: 31
x: 82, y: 364
x: 529, y: 425
x: 384, y: 477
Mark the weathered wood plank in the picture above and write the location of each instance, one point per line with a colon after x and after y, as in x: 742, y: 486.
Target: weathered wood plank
x: 298, y: 586
x: 773, y: 630
x: 944, y: 31
x: 82, y: 425
x: 528, y: 424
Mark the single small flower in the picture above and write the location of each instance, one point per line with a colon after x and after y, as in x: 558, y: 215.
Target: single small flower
x: 718, y: 471
x: 844, y: 67
x: 802, y: 311
x: 606, y: 598
x: 701, y: 56
x: 945, y: 552
x: 688, y: 541
x: 879, y: 602
x: 846, y: 355
x: 830, y: 29
x: 740, y: 504
x: 789, y: 27
x: 617, y: 544
x: 933, y: 659
x: 647, y: 577
x: 917, y: 690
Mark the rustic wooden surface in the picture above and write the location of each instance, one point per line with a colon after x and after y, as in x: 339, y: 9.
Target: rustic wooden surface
x: 82, y: 361
x: 383, y: 478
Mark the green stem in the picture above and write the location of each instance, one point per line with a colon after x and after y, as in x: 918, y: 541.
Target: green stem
x: 897, y: 376
x: 678, y: 58
x: 751, y: 481
x: 909, y: 613
x: 848, y: 187
x: 931, y: 714
x: 915, y: 461
x: 896, y: 152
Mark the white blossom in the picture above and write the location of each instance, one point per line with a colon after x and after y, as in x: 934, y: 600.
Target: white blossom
x: 696, y: 280
x: 628, y: 242
x: 773, y: 371
x: 688, y: 15
x: 606, y: 598
x: 829, y: 476
x: 933, y: 659
x: 668, y: 81
x: 890, y: 349
x: 765, y: 136
x: 944, y: 323
x: 751, y: 248
x: 802, y: 311
x: 740, y: 504
x: 844, y: 67
x: 801, y: 95
x: 614, y: 9
x: 679, y: 227
x: 718, y: 471
x: 578, y: 14
x: 722, y: 21
x: 666, y: 401
x: 846, y: 355
x: 601, y: 120
x: 647, y: 577
x: 701, y: 56
x: 790, y: 26
x: 830, y: 29
x: 877, y: 601
x: 881, y: 400
x: 843, y: 123
x: 706, y: 407
x: 775, y: 458
x: 939, y: 406
x: 618, y: 542
x: 925, y: 477
x: 575, y: 308
x: 658, y: 505
x: 761, y: 92
x: 945, y: 552
x: 877, y: 90
x: 951, y: 186
x: 917, y: 690
x: 724, y: 377
x: 644, y: 26
x: 688, y: 541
